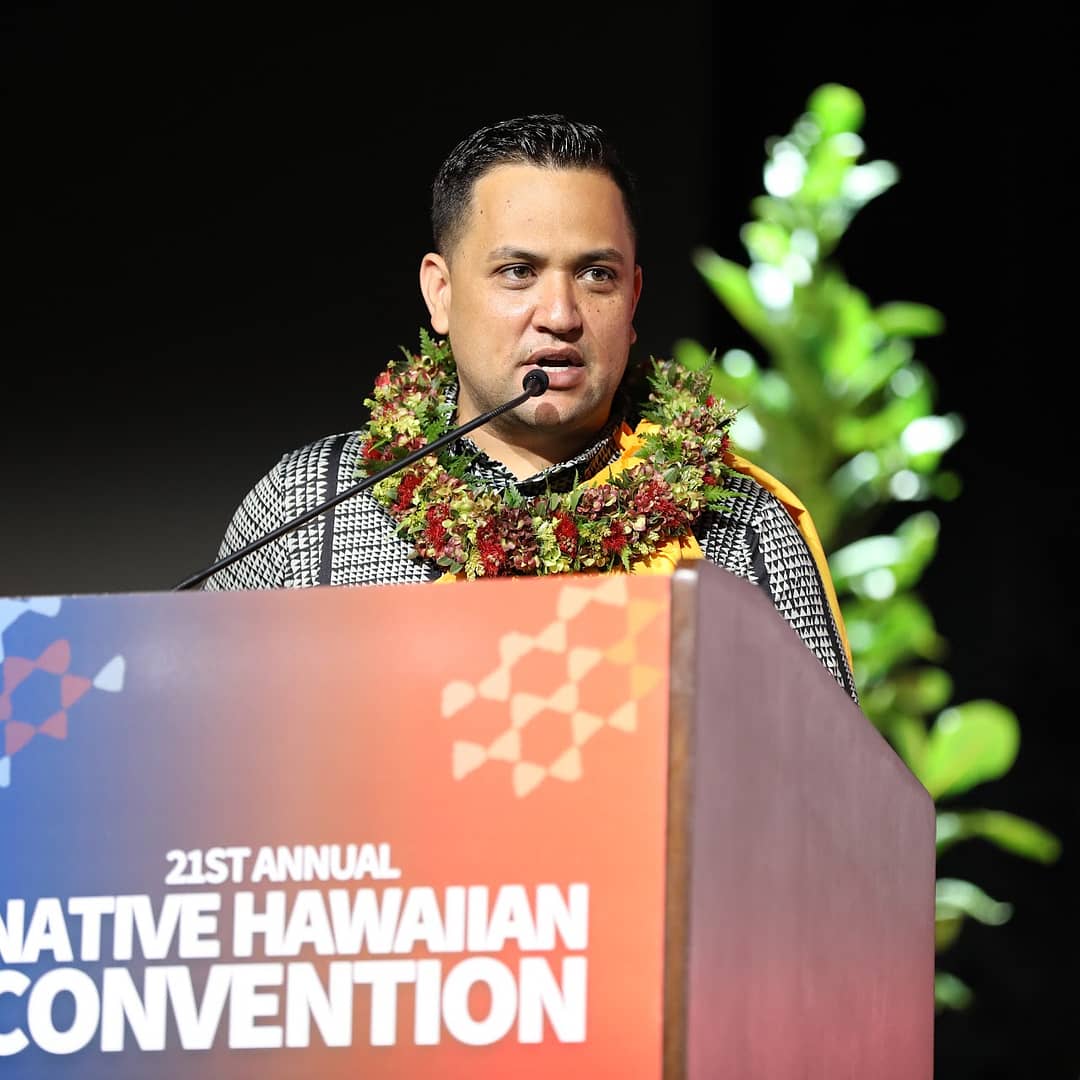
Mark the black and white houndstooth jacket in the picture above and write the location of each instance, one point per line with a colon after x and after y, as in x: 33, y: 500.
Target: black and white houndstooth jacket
x: 355, y: 542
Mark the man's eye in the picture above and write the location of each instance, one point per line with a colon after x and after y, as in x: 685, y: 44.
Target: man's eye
x: 519, y: 272
x: 599, y: 275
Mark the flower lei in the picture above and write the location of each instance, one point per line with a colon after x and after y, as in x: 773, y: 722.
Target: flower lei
x: 473, y: 530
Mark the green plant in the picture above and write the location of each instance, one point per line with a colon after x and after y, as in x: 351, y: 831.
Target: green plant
x: 842, y: 410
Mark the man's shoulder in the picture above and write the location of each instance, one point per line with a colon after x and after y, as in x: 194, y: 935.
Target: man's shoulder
x: 301, y: 474
x: 751, y: 500
x: 337, y: 443
x: 317, y: 455
x: 756, y: 517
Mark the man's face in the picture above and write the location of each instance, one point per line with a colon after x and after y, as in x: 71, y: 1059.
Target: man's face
x: 543, y: 275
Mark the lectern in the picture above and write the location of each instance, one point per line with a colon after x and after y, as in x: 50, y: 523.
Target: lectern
x: 578, y: 826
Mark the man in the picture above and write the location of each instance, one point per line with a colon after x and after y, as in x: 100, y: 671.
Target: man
x: 534, y: 267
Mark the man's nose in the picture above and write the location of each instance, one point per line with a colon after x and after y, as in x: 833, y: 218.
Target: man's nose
x: 557, y: 307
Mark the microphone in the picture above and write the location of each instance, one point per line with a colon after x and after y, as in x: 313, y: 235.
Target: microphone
x: 533, y: 384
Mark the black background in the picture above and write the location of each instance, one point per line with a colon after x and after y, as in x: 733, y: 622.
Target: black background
x: 213, y: 232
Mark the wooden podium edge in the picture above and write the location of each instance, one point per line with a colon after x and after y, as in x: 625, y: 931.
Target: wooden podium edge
x: 681, y: 669
x: 691, y: 588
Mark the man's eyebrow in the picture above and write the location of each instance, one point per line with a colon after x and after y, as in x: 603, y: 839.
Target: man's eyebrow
x: 507, y: 252
x: 610, y: 254
x: 604, y: 255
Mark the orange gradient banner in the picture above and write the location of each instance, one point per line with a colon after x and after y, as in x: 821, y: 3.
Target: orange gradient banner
x: 394, y: 832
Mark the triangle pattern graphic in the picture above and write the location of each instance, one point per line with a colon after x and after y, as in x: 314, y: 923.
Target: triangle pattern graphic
x: 456, y: 696
x: 512, y: 647
x: 467, y: 757
x: 572, y: 601
x: 567, y: 766
x: 527, y: 777
x: 507, y: 747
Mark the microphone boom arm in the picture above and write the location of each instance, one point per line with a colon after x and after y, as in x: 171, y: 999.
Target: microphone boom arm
x: 535, y: 383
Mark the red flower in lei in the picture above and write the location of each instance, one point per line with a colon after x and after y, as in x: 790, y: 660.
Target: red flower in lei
x: 490, y: 547
x: 435, y: 533
x: 409, y: 483
x: 616, y: 540
x: 566, y: 533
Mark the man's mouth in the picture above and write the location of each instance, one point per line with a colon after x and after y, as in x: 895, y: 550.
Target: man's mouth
x: 565, y: 370
x: 552, y: 361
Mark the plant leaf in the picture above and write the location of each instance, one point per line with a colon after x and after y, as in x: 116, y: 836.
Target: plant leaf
x: 909, y: 320
x: 951, y: 992
x: 952, y: 896
x: 968, y: 745
x: 731, y: 284
x: 1008, y: 831
x: 836, y: 108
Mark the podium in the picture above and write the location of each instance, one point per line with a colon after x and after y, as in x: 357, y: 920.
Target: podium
x: 589, y: 826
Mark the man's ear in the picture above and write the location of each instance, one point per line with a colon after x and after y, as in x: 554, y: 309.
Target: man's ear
x: 435, y: 287
x: 638, y: 280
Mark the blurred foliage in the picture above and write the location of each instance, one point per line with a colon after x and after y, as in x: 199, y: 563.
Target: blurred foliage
x: 841, y: 409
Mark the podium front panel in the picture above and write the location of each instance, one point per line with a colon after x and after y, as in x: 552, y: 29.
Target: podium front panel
x: 395, y: 832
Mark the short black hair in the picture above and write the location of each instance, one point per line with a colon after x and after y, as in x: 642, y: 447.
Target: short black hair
x: 549, y: 140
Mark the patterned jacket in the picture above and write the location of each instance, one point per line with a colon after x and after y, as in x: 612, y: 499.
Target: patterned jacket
x: 355, y: 542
